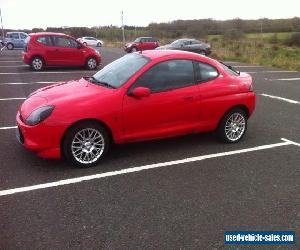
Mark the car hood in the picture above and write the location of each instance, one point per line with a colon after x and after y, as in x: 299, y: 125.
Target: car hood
x: 80, y: 92
x: 129, y: 44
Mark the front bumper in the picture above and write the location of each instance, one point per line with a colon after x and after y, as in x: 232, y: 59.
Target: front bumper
x: 42, y: 139
x: 127, y: 49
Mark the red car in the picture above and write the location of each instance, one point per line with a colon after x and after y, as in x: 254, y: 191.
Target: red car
x: 141, y: 96
x: 142, y: 43
x: 57, y: 49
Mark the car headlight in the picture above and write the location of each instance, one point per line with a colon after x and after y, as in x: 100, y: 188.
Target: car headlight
x: 39, y: 115
x: 128, y: 45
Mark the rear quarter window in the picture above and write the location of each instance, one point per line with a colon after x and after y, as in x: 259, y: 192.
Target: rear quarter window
x: 205, y: 72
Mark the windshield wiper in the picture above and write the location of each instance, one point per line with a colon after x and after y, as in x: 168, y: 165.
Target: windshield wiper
x: 231, y: 68
x: 94, y: 80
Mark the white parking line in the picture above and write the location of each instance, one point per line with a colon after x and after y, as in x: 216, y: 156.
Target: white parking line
x: 4, y: 128
x: 246, y: 66
x: 272, y: 71
x: 142, y: 168
x: 14, y: 66
x: 11, y: 99
x: 47, y: 72
x: 285, y: 79
x: 5, y: 61
x: 22, y: 83
x: 281, y: 98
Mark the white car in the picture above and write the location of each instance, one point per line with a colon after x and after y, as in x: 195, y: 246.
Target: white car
x: 90, y: 41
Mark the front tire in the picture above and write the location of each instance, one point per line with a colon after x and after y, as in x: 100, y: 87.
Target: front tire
x: 10, y: 46
x: 37, y: 63
x: 85, y: 44
x: 134, y: 49
x: 99, y: 45
x: 233, y: 126
x: 91, y: 63
x: 85, y: 144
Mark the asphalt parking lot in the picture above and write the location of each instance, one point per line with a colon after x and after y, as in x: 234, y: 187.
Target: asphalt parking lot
x: 141, y: 196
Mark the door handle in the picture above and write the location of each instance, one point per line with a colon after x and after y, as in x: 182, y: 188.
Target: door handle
x: 188, y: 98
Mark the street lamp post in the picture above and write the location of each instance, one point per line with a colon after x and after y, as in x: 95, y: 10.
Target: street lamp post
x: 123, y: 30
x: 2, y: 25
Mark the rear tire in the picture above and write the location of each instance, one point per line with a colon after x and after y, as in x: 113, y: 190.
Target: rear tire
x: 232, y: 126
x: 10, y: 46
x: 85, y: 44
x: 37, y: 63
x: 91, y: 63
x: 86, y: 144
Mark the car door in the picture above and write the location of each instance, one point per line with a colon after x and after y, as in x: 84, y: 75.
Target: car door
x: 93, y: 41
x: 47, y: 50
x: 15, y: 39
x: 173, y: 107
x: 143, y: 44
x: 67, y: 51
x: 187, y: 46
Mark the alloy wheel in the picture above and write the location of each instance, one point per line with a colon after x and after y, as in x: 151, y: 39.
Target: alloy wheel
x: 235, y: 126
x: 88, y: 145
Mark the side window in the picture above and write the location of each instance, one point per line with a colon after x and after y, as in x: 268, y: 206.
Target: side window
x: 167, y: 75
x: 205, y: 72
x: 64, y: 42
x: 23, y: 36
x: 44, y: 40
x: 15, y: 36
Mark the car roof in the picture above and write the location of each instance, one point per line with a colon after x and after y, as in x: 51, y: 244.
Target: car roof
x: 47, y: 33
x: 9, y: 32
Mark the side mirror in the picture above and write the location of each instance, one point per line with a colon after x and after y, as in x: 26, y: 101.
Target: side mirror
x: 140, y: 92
x: 181, y: 45
x: 79, y: 45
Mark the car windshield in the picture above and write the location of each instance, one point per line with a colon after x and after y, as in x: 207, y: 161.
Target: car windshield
x: 137, y: 40
x: 177, y: 43
x: 118, y: 72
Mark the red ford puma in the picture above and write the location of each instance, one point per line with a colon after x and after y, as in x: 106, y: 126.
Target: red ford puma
x: 141, y: 96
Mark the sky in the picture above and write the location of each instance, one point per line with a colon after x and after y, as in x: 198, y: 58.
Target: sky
x: 22, y: 14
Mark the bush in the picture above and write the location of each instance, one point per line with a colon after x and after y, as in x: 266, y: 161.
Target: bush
x: 294, y: 40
